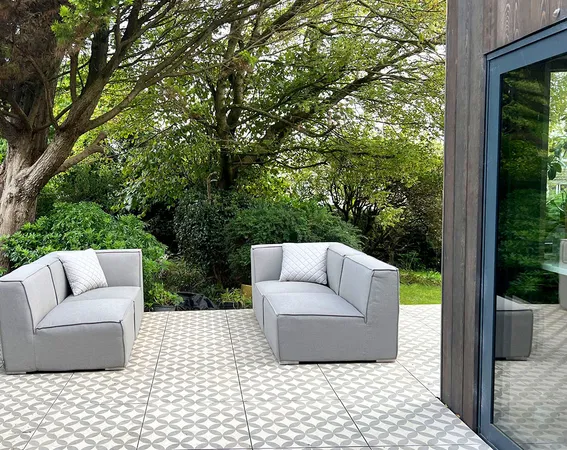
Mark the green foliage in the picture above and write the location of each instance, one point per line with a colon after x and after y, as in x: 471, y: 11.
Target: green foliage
x: 423, y: 278
x: 77, y: 226
x: 287, y: 102
x: 390, y: 187
x: 236, y: 297
x: 277, y: 222
x: 216, y: 234
x: 98, y: 180
x: 3, y: 149
x: 179, y: 276
x: 79, y: 18
x: 200, y: 229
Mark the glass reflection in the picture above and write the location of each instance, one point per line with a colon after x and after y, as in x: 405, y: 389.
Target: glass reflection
x: 530, y: 370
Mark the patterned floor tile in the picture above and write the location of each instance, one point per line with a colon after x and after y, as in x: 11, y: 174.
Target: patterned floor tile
x: 299, y: 424
x: 124, y: 386
x: 293, y: 383
x: 374, y: 382
x: 183, y: 426
x: 202, y: 387
x: 420, y: 422
x: 31, y: 388
x: 88, y: 426
x: 535, y: 446
x: 478, y: 446
x: 18, y: 421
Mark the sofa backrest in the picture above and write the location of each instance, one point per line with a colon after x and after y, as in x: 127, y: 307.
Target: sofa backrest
x: 336, y: 254
x: 266, y: 262
x: 55, y: 266
x: 26, y: 295
x: 370, y: 285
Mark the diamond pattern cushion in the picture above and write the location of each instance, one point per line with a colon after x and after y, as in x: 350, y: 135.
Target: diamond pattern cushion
x: 305, y: 262
x: 83, y: 270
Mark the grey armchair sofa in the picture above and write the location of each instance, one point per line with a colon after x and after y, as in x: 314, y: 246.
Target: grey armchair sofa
x: 352, y: 318
x: 43, y: 327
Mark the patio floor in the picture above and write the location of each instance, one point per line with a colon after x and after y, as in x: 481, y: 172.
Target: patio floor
x: 209, y: 380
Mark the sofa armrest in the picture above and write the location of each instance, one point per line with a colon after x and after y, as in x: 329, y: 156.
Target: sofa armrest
x: 26, y: 296
x: 266, y: 262
x: 371, y: 286
x: 122, y: 267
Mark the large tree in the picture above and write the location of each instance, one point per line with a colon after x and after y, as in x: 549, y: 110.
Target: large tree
x: 68, y: 67
x: 285, y: 84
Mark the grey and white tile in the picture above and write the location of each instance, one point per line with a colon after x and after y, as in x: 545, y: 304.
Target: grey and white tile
x: 302, y: 424
x: 84, y: 425
x: 184, y: 425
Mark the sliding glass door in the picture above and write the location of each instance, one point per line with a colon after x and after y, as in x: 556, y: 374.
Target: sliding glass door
x: 524, y: 322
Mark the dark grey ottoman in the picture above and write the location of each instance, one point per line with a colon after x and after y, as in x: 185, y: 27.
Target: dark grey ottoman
x: 514, y: 330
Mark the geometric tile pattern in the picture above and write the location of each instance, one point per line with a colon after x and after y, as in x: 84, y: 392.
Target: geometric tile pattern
x: 208, y: 379
x: 531, y: 396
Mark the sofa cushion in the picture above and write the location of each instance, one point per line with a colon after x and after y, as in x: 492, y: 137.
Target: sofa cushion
x: 55, y: 266
x: 86, y: 312
x: 83, y: 270
x: 279, y: 287
x: 311, y: 304
x: 305, y: 262
x: 86, y: 335
x: 132, y: 293
x: 335, y: 260
x: 357, y: 279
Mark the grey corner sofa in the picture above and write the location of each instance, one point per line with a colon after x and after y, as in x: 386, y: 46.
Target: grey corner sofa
x: 43, y: 327
x: 353, y: 318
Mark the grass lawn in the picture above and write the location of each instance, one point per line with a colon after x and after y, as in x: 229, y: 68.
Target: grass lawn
x: 419, y: 294
x: 420, y: 288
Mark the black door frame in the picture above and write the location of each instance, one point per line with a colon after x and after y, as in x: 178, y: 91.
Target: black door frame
x: 543, y: 45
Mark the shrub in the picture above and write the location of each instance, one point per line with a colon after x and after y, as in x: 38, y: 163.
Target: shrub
x: 291, y: 221
x: 200, y: 225
x: 178, y: 275
x: 199, y: 229
x: 77, y: 226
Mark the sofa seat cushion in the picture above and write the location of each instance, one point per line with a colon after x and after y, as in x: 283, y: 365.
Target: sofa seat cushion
x: 312, y: 304
x: 86, y: 312
x: 132, y: 293
x: 263, y: 288
x: 86, y: 335
x: 291, y: 287
x: 127, y: 292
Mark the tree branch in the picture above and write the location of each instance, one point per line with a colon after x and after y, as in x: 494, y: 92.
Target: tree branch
x: 73, y: 76
x: 93, y: 148
x: 48, y: 100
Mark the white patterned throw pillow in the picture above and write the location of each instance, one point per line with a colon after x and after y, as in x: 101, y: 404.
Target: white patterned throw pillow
x: 305, y: 262
x: 83, y: 270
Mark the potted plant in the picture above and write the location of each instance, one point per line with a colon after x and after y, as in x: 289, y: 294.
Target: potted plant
x: 234, y: 299
x: 164, y: 300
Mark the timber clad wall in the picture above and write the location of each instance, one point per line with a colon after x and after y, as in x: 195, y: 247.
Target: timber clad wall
x: 474, y: 28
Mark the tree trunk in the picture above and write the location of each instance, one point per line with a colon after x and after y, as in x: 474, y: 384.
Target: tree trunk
x: 227, y: 170
x: 16, y: 209
x: 23, y: 175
